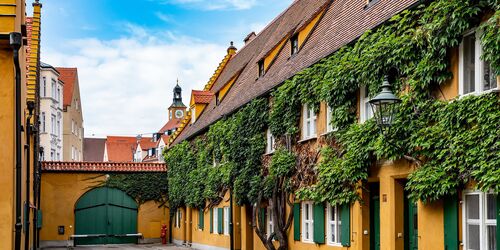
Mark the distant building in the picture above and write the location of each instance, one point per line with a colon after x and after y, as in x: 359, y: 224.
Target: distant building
x: 73, y: 116
x: 93, y: 149
x: 150, y: 149
x: 119, y: 149
x: 51, y: 113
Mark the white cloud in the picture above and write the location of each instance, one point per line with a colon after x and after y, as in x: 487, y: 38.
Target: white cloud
x: 215, y: 4
x: 126, y: 84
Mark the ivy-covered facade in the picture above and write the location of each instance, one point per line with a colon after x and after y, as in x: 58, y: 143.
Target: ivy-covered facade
x: 287, y: 154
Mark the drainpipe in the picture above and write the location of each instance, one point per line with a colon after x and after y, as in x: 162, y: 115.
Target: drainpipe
x: 38, y: 194
x: 15, y: 44
x: 231, y: 231
x: 27, y: 204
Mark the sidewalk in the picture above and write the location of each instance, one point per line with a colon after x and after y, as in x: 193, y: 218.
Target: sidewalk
x: 125, y: 247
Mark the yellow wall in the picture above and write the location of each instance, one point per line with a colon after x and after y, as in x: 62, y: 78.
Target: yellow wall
x: 306, y: 30
x: 226, y: 88
x: 12, y: 16
x: 269, y: 59
x: 61, y: 191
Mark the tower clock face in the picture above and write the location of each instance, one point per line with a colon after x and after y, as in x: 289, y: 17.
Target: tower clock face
x: 179, y: 113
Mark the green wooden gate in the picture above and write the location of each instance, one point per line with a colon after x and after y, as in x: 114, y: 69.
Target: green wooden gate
x: 107, y: 215
x: 375, y: 216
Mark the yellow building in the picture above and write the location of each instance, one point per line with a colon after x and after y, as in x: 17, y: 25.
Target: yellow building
x: 384, y: 217
x: 19, y: 60
x: 75, y: 205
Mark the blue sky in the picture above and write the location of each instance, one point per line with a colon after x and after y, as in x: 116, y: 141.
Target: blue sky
x: 129, y: 53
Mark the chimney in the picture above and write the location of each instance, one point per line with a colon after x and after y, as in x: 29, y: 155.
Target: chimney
x: 249, y: 37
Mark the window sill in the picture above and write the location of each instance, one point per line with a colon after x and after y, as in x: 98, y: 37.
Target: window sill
x: 334, y: 244
x: 329, y: 132
x: 308, y: 242
x: 307, y: 139
x: 495, y: 90
x: 269, y: 153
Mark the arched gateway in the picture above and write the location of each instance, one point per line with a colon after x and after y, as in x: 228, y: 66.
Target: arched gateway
x: 107, y: 215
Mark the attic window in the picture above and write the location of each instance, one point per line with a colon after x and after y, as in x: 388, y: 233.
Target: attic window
x: 262, y: 70
x: 295, y: 44
x: 217, y: 98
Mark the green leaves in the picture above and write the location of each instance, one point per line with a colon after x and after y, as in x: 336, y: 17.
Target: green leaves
x: 282, y: 163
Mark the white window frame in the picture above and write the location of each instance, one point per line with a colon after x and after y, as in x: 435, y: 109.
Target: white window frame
x: 483, y: 222
x: 336, y: 223
x: 215, y: 221
x: 364, y: 112
x: 478, y: 67
x: 329, y: 126
x: 308, y: 117
x: 43, y: 123
x: 53, y: 124
x: 226, y: 221
x: 270, y: 221
x: 269, y: 142
x: 178, y: 216
x: 307, y: 209
x: 193, y: 115
x: 44, y: 80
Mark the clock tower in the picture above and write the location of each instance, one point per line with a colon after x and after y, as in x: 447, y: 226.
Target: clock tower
x: 177, y: 110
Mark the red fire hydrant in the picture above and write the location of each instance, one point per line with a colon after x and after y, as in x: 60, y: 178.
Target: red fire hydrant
x: 163, y: 234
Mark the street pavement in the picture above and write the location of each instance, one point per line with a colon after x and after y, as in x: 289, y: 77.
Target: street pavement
x: 125, y: 247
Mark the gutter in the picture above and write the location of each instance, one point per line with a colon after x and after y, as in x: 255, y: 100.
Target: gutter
x: 27, y: 147
x: 15, y: 44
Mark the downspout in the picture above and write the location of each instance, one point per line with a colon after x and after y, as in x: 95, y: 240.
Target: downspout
x: 39, y: 194
x: 15, y: 44
x: 231, y: 231
x: 27, y: 204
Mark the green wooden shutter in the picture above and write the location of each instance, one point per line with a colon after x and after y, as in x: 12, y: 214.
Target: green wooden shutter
x: 39, y: 219
x: 220, y: 220
x: 296, y: 221
x: 211, y: 220
x: 262, y: 219
x: 498, y: 221
x: 450, y: 207
x: 319, y: 223
x: 345, y: 219
x: 201, y: 219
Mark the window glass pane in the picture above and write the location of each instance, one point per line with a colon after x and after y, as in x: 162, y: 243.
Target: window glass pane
x: 473, y: 237
x: 332, y: 232
x: 472, y: 202
x: 491, y: 206
x: 491, y: 239
x: 307, y: 211
x: 469, y: 57
x: 308, y: 130
x: 489, y: 77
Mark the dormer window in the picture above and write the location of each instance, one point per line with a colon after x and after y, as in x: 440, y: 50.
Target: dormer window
x: 295, y: 44
x: 262, y: 70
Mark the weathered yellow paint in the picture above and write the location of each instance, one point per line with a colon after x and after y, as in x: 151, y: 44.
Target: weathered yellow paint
x: 308, y: 28
x: 60, y: 193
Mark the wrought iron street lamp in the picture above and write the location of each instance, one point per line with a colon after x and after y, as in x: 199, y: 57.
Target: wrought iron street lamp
x: 384, y: 106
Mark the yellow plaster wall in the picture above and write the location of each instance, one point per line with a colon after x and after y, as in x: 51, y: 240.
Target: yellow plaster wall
x: 226, y: 88
x: 179, y: 233
x: 61, y: 191
x: 450, y: 88
x: 269, y: 59
x: 431, y: 226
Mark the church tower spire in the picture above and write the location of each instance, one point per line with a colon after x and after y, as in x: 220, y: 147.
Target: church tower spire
x: 177, y: 109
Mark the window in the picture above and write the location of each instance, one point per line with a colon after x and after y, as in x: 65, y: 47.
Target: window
x: 42, y: 121
x: 44, y: 87
x: 226, y: 220
x: 329, y: 126
x: 270, y: 142
x: 333, y: 225
x: 262, y: 70
x: 170, y: 115
x: 193, y: 115
x: 58, y: 128
x: 476, y: 76
x: 365, y: 110
x: 72, y: 153
x: 58, y: 94
x: 309, y: 124
x: 270, y: 222
x: 52, y: 155
x: 53, y: 124
x: 72, y: 126
x: 53, y: 86
x: 307, y: 221
x: 178, y: 217
x: 295, y: 44
x: 58, y: 156
x: 215, y: 222
x: 479, y: 212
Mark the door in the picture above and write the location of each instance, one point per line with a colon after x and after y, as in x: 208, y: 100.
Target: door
x: 374, y: 216
x: 107, y: 214
x: 411, y: 224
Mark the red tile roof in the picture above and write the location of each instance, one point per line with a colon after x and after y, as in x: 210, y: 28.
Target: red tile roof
x: 343, y: 22
x: 103, y: 167
x: 147, y: 143
x: 202, y: 96
x: 120, y: 148
x: 173, y: 123
x: 70, y: 78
